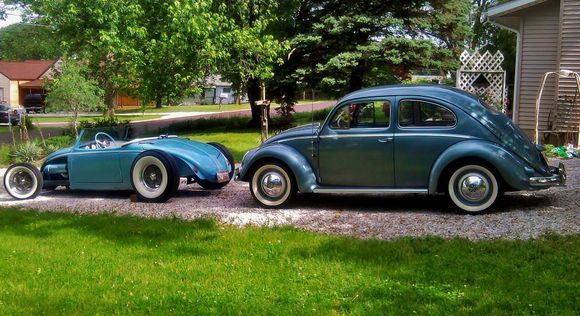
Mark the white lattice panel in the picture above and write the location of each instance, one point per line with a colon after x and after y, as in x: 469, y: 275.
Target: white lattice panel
x: 475, y: 67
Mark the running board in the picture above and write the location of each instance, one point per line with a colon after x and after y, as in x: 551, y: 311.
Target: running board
x: 367, y: 190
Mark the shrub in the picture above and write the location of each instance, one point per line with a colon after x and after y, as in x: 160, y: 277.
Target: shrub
x: 236, y: 122
x: 26, y: 152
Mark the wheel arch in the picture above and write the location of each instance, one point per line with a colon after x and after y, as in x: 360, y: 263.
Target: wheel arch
x: 510, y: 169
x: 299, y: 166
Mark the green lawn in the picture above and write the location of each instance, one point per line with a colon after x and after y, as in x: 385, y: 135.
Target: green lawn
x: 238, y: 141
x: 47, y: 119
x: 73, y: 264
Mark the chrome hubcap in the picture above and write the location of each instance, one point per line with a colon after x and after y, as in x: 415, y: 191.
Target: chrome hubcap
x: 151, y: 177
x: 273, y: 184
x: 22, y: 181
x: 473, y: 187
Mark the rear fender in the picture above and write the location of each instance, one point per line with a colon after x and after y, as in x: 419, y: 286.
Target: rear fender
x: 301, y: 168
x: 510, y: 167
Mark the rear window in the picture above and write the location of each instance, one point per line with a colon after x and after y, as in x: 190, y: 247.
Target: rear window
x: 414, y: 113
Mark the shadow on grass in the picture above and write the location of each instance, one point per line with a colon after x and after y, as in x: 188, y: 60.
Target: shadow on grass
x: 119, y: 229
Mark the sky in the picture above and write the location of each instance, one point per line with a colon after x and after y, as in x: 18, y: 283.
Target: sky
x: 13, y: 17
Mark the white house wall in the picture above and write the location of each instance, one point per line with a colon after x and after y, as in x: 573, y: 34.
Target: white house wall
x: 5, y: 86
x: 570, y: 44
x: 539, y: 55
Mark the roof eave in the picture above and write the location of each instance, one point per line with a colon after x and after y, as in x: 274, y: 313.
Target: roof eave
x: 511, y: 7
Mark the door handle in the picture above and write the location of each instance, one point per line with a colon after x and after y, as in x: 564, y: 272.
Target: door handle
x: 385, y: 140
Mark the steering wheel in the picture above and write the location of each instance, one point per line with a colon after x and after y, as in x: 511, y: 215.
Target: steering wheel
x: 103, y: 143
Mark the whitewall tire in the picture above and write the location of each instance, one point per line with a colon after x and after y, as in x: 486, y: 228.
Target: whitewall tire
x: 23, y: 181
x: 154, y: 176
x: 473, y: 188
x: 273, y: 185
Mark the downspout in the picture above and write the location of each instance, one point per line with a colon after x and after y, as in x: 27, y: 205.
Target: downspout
x: 519, y: 41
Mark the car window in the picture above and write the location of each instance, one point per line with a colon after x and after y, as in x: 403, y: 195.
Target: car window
x: 363, y: 114
x: 414, y: 113
x: 4, y: 108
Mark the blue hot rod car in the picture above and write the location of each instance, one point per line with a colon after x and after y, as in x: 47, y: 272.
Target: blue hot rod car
x: 402, y: 139
x: 105, y: 159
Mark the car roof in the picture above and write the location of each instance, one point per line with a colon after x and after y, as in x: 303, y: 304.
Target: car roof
x: 451, y: 94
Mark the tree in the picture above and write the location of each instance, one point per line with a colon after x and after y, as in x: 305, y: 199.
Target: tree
x: 489, y: 37
x: 25, y: 42
x: 71, y: 91
x: 341, y: 46
x: 251, y: 49
x: 177, y: 48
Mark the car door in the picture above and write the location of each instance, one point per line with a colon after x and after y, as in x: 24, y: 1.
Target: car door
x: 96, y: 165
x: 355, y: 146
x: 425, y: 128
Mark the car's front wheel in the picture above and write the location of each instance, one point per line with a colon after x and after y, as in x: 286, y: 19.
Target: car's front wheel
x: 273, y: 184
x: 473, y: 188
x: 154, y: 176
x: 23, y: 181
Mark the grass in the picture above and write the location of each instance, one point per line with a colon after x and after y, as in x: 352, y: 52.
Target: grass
x: 73, y: 264
x: 66, y: 119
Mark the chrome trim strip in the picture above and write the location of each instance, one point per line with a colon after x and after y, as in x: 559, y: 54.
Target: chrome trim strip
x: 295, y: 138
x: 433, y: 135
x: 356, y: 135
x: 367, y: 190
x: 398, y: 135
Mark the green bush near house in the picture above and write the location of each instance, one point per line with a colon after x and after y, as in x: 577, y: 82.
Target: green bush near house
x: 73, y: 264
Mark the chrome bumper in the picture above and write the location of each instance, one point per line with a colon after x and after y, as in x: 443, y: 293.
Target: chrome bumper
x: 557, y: 179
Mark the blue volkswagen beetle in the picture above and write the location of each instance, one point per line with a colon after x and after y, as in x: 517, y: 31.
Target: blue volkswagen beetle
x: 402, y: 139
x: 105, y: 159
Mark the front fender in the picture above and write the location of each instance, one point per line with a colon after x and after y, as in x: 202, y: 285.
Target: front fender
x: 303, y: 172
x: 510, y: 167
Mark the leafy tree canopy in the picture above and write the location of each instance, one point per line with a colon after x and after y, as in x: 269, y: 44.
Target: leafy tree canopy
x: 22, y: 42
x: 341, y: 46
x: 71, y: 91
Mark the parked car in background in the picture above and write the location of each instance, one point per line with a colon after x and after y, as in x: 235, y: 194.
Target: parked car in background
x: 402, y: 139
x: 105, y: 159
x: 34, y: 103
x: 10, y: 115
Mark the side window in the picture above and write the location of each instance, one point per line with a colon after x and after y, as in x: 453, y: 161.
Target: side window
x: 364, y: 114
x: 424, y: 114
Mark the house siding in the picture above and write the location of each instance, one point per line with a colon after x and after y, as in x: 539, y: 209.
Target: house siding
x: 5, y: 86
x: 570, y: 44
x: 539, y: 55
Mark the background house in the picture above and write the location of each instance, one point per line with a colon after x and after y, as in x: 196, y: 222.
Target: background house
x: 215, y: 88
x: 548, y: 39
x: 18, y: 79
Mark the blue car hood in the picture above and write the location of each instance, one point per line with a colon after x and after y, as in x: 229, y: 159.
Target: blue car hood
x: 58, y: 153
x: 299, y: 131
x: 206, y: 157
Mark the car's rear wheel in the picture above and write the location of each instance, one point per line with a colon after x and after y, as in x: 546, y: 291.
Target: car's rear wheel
x: 473, y: 188
x: 273, y: 185
x: 230, y: 158
x: 154, y: 176
x: 23, y: 181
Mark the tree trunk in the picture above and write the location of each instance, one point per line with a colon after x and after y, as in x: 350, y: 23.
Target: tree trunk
x: 110, y: 102
x: 253, y: 96
x: 356, y: 78
x: 158, y: 102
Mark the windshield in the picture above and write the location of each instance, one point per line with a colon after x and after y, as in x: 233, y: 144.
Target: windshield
x: 102, y: 137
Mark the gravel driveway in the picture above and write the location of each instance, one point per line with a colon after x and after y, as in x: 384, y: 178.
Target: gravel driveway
x: 519, y: 215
